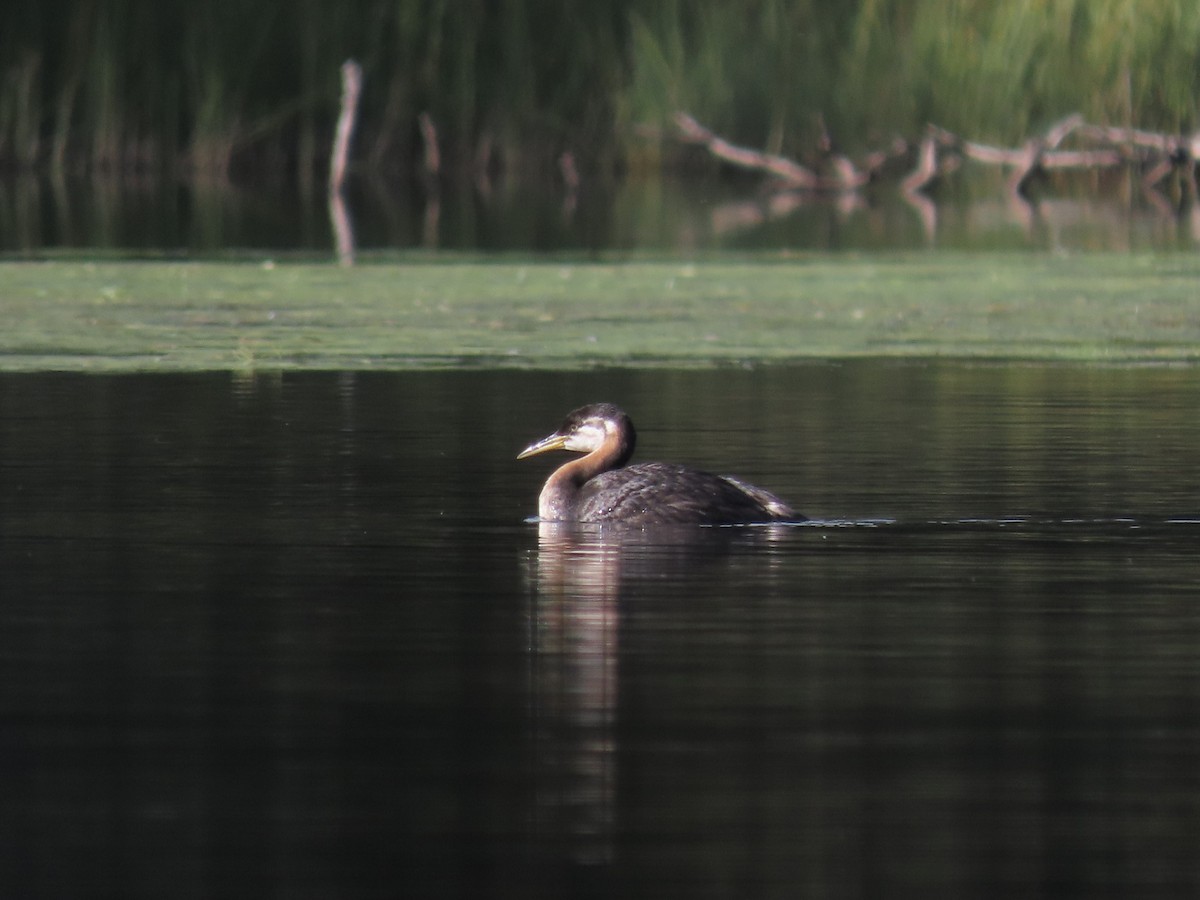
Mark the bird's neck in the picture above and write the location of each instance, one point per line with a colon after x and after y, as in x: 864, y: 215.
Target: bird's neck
x: 557, y: 500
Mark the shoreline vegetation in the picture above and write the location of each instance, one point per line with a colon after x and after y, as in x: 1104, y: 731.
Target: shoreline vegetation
x: 478, y: 95
x: 414, y: 314
x: 229, y: 90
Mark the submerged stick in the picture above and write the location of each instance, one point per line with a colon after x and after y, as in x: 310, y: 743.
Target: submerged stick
x: 429, y: 136
x: 351, y: 88
x: 339, y: 215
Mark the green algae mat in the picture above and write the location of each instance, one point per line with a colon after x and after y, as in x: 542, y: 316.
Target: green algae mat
x: 194, y: 316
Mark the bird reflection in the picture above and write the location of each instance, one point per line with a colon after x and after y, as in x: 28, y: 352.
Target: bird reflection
x: 578, y: 578
x: 574, y: 654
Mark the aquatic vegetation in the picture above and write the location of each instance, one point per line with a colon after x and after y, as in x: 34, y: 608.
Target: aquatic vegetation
x: 561, y: 314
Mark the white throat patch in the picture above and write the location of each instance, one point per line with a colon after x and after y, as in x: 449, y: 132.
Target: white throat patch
x: 587, y: 437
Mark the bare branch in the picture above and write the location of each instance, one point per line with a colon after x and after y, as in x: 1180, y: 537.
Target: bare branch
x: 791, y: 172
x: 941, y: 151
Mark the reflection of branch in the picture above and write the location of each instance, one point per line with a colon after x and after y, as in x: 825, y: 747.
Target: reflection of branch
x: 571, y: 182
x: 926, y: 211
x: 433, y: 192
x: 740, y: 216
x: 927, y: 167
x: 343, y: 229
x: 430, y: 221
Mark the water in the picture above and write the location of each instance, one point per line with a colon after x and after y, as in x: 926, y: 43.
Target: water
x: 640, y: 215
x: 292, y: 635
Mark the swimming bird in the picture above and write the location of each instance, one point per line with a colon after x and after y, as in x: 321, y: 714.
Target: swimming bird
x: 600, y: 487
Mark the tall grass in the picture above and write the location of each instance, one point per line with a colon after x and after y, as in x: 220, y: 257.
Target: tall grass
x: 763, y: 71
x: 225, y: 84
x: 998, y: 70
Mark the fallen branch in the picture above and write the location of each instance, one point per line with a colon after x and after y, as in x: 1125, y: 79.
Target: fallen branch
x: 789, y: 171
x: 941, y: 151
x: 927, y: 167
x: 1118, y: 146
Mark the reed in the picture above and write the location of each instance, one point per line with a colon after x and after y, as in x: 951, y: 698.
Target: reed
x: 1000, y: 70
x: 217, y: 85
x: 765, y: 71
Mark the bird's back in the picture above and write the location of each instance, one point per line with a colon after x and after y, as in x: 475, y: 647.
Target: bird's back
x: 663, y: 493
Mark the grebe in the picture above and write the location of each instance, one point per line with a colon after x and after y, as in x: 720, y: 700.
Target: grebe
x: 599, y: 487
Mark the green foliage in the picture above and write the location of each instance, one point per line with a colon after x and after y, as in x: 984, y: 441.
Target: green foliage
x: 763, y: 71
x: 120, y: 85
x: 1000, y: 70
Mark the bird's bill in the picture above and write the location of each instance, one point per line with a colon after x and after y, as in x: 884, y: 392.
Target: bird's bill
x: 555, y: 441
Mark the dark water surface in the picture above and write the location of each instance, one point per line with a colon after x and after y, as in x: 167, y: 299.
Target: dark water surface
x: 291, y: 636
x: 690, y: 215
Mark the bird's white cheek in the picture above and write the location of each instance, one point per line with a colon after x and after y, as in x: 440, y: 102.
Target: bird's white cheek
x: 586, y: 439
